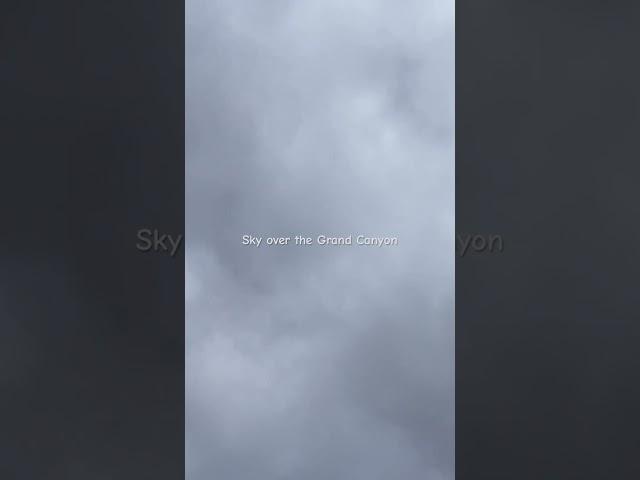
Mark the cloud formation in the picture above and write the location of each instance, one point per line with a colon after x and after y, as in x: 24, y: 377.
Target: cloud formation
x: 320, y: 362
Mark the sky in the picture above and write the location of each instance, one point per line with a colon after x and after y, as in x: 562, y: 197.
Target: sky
x: 319, y: 118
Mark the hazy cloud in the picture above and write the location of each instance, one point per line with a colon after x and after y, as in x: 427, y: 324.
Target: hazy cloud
x: 320, y: 362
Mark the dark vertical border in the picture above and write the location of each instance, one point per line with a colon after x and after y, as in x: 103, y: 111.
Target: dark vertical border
x: 548, y: 138
x: 91, y: 329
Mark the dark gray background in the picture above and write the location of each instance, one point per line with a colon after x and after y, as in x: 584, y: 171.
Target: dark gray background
x: 547, y: 148
x: 91, y: 330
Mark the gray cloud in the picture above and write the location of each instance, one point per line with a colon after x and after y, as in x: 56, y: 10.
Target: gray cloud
x: 320, y: 362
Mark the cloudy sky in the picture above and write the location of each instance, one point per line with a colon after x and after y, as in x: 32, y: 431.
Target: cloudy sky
x: 320, y: 117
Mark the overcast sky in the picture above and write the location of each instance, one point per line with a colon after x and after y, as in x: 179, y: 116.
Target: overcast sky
x: 320, y: 117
